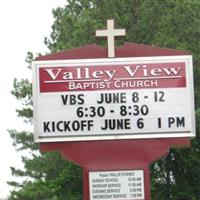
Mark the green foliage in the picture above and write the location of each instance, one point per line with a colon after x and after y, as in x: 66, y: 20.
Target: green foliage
x: 23, y: 140
x: 165, y: 23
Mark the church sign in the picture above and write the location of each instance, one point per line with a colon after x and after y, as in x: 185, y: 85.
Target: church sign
x: 113, y: 98
x: 134, y: 101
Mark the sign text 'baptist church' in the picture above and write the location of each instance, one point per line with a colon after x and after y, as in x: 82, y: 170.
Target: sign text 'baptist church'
x: 112, y: 77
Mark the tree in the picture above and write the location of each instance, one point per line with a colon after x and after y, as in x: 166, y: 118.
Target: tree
x: 46, y: 175
x: 165, y: 23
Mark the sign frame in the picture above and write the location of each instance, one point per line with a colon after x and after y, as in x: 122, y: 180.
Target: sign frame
x: 78, y: 62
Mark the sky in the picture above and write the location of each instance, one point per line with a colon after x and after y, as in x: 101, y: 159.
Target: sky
x: 24, y: 24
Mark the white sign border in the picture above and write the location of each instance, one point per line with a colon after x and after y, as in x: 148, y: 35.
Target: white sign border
x: 81, y: 62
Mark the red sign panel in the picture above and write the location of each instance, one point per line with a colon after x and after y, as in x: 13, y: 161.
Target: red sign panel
x: 112, y: 77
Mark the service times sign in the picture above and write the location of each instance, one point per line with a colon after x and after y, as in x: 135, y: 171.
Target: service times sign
x: 121, y: 98
x: 115, y: 185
